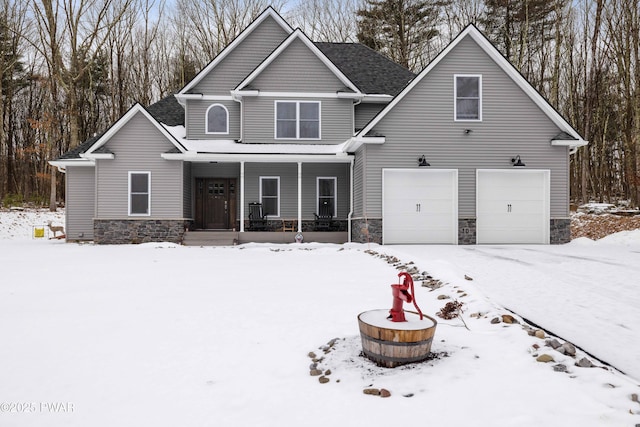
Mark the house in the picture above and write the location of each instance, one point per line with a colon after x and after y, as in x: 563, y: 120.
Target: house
x: 465, y: 152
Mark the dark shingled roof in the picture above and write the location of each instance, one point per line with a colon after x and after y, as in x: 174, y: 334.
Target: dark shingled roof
x: 168, y: 111
x: 75, y: 152
x: 563, y: 136
x: 371, y: 72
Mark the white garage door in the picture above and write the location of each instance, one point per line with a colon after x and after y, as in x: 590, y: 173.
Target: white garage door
x: 420, y: 206
x: 512, y: 206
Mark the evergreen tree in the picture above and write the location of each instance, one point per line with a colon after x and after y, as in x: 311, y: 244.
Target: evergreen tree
x: 399, y: 29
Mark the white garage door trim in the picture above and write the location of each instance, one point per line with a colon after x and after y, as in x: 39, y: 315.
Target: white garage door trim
x: 513, y: 206
x: 424, y: 210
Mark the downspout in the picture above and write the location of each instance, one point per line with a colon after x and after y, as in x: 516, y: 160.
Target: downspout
x: 351, y: 184
x: 242, y: 196
x: 299, y: 197
x: 351, y: 167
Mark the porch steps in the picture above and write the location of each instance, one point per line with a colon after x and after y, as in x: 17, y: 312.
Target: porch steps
x: 210, y: 238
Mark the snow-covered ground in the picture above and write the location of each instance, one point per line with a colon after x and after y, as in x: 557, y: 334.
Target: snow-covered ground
x: 164, y: 335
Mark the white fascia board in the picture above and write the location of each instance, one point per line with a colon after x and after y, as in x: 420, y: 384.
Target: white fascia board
x: 258, y: 158
x: 357, y: 141
x: 269, y: 12
x: 137, y: 108
x: 298, y: 35
x: 501, y: 61
x: 98, y: 156
x: 63, y: 164
x: 569, y: 143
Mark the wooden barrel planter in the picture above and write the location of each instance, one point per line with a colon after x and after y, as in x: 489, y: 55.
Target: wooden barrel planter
x: 392, y: 344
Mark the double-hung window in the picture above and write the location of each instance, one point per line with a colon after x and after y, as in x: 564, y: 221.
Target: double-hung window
x: 297, y: 120
x: 217, y: 119
x: 270, y: 195
x: 468, y: 97
x: 140, y: 193
x: 327, y: 190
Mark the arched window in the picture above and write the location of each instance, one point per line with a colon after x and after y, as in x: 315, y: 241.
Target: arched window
x: 217, y: 119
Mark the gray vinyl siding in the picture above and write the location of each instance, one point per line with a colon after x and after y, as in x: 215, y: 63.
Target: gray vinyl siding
x: 336, y: 120
x: 186, y: 191
x: 137, y: 147
x: 358, y: 182
x: 196, y: 119
x: 288, y: 173
x: 365, y: 112
x: 297, y: 69
x: 80, y: 203
x: 242, y: 59
x: 423, y: 123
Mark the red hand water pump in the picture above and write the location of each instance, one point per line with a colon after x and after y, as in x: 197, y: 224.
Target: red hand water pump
x: 400, y: 294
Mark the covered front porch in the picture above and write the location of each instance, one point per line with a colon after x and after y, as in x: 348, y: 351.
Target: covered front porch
x: 308, y: 194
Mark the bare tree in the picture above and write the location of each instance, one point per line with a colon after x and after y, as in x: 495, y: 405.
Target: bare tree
x: 327, y: 20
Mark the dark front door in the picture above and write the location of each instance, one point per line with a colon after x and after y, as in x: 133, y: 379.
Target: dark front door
x: 215, y: 203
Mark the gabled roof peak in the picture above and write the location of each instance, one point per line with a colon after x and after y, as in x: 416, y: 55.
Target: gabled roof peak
x: 472, y: 31
x: 298, y: 34
x: 268, y: 12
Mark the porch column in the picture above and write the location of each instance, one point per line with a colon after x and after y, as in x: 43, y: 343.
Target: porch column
x: 299, y: 197
x: 242, y: 196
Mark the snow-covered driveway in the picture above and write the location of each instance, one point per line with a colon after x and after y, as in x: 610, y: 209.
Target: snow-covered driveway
x: 585, y: 292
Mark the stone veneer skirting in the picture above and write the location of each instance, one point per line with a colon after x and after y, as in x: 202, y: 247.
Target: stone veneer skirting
x: 370, y: 230
x: 560, y: 231
x: 367, y: 230
x: 126, y: 231
x: 466, y: 231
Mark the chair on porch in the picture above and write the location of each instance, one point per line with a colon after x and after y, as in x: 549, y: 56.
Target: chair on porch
x: 257, y: 220
x: 324, y: 217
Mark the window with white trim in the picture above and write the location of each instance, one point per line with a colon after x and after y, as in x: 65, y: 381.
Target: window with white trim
x: 297, y: 120
x: 140, y: 193
x: 326, y: 189
x: 270, y: 195
x: 217, y: 119
x: 468, y: 97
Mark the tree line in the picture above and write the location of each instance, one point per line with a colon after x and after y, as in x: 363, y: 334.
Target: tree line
x: 70, y: 68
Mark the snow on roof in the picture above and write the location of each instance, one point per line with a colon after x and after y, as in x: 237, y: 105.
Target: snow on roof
x: 229, y: 146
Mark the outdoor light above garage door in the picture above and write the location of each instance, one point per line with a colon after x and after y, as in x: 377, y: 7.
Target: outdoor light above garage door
x: 517, y: 162
x: 422, y: 161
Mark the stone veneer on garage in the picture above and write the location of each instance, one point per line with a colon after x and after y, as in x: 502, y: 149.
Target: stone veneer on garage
x: 560, y: 231
x: 126, y: 231
x: 370, y: 230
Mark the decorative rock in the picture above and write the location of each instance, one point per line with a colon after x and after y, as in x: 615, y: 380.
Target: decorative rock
x: 443, y: 297
x: 545, y: 358
x: 507, y: 318
x: 467, y: 277
x: 372, y: 391
x: 584, y: 363
x: 323, y: 380
x: 327, y: 372
x: 495, y: 320
x: 540, y: 334
x: 384, y: 392
x: 408, y: 395
x: 560, y: 368
x: 569, y: 349
x: 311, y: 355
x: 315, y: 372
x: 554, y: 343
x: 634, y: 398
x: 536, y: 346
x: 313, y: 366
